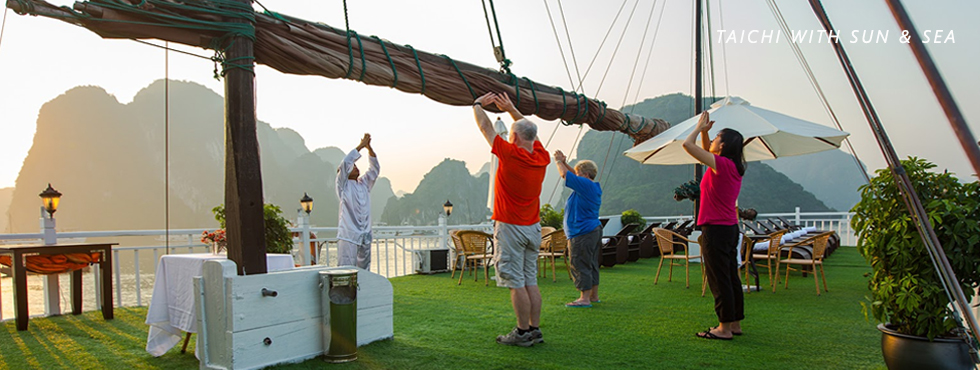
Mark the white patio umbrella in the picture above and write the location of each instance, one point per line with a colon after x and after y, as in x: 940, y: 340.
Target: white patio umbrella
x: 768, y: 135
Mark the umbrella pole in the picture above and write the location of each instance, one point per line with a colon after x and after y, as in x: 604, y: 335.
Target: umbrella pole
x: 698, y: 98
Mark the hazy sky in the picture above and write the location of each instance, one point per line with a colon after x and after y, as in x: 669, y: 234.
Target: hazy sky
x: 41, y: 58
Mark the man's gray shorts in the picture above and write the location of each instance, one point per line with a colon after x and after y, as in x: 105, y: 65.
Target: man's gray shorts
x: 515, y: 254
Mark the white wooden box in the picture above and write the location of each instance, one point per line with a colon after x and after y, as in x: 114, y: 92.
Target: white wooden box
x: 239, y: 328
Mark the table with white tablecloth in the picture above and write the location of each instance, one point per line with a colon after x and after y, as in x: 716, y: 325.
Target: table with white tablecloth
x: 171, y: 312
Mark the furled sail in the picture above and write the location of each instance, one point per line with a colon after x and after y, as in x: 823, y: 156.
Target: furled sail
x: 296, y: 46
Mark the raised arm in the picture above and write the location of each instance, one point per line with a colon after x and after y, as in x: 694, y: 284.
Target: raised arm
x: 347, y: 165
x: 504, y: 104
x: 482, y: 120
x: 705, y: 142
x: 563, y: 167
x: 374, y: 167
x: 699, y: 153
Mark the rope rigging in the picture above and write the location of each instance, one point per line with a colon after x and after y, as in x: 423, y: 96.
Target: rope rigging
x: 724, y: 53
x: 816, y: 85
x: 626, y: 124
x: 3, y: 24
x: 710, y: 49
x: 498, y: 50
x: 629, y: 84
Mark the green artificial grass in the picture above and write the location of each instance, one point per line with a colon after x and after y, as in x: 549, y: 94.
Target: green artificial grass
x: 441, y: 325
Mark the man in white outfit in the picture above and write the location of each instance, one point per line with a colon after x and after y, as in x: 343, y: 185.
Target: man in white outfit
x: 354, y: 230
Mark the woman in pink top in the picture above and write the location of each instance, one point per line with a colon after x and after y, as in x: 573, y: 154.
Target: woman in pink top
x: 718, y: 219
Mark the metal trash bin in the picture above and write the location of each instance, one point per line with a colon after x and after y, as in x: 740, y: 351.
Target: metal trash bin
x: 338, y: 304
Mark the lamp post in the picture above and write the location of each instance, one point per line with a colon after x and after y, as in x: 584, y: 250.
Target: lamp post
x: 307, y: 203
x: 443, y: 229
x: 50, y: 198
x: 309, y: 257
x: 448, y: 207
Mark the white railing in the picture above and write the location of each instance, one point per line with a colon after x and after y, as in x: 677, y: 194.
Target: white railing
x: 836, y: 221
x: 395, y: 251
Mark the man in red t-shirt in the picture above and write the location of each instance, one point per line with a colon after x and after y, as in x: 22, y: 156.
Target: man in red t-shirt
x: 516, y: 205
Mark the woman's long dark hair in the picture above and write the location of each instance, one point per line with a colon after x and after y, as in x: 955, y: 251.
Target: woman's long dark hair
x: 732, y: 148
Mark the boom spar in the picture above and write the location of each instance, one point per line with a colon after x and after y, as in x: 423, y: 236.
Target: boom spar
x: 295, y: 46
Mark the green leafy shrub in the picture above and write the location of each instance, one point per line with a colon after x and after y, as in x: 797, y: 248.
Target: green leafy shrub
x: 688, y: 190
x: 278, y: 238
x: 552, y: 217
x: 906, y: 291
x: 633, y: 217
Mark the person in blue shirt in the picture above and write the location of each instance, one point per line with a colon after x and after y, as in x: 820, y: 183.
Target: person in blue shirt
x: 582, y: 227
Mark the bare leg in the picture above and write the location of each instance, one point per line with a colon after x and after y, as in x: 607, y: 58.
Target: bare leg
x: 522, y: 306
x: 594, y: 293
x: 534, y: 297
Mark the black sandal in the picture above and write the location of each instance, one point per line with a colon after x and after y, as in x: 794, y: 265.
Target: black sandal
x: 707, y: 334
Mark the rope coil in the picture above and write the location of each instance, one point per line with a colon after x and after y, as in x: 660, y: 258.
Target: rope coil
x: 626, y: 123
x: 467, y: 83
x: 394, y: 72
x: 564, y: 105
x: 419, y: 64
x: 584, y: 112
x: 517, y: 88
x: 603, y: 105
x: 350, y: 53
x: 534, y: 95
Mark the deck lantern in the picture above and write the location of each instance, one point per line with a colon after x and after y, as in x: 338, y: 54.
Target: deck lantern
x: 50, y: 198
x: 307, y: 203
x: 448, y: 207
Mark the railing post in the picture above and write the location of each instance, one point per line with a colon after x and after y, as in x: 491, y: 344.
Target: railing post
x: 309, y: 257
x: 443, y: 231
x: 95, y: 282
x: 797, y: 221
x: 52, y: 289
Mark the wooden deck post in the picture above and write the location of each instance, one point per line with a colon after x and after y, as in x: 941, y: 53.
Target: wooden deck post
x: 245, y: 223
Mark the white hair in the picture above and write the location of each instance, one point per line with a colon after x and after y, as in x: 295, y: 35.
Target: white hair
x: 526, y: 129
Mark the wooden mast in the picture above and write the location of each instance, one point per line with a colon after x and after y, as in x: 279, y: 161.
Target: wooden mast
x: 244, y: 220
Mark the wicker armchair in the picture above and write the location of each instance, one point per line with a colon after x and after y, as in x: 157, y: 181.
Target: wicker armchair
x: 771, y: 256
x: 472, y: 246
x: 819, y: 244
x: 667, y: 239
x: 554, y: 245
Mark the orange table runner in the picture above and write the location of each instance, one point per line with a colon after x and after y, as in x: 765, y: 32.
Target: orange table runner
x: 56, y: 263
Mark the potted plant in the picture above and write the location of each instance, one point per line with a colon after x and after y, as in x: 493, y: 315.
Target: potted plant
x: 907, y: 295
x: 552, y: 217
x: 631, y: 216
x: 278, y: 238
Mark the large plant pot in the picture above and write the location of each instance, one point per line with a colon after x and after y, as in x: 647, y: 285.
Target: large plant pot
x: 903, y: 351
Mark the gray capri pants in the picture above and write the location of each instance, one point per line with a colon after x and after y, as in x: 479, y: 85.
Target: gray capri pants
x: 583, y: 251
x: 515, y: 254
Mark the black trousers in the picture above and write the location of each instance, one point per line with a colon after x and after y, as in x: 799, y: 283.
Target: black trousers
x: 720, y: 251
